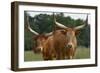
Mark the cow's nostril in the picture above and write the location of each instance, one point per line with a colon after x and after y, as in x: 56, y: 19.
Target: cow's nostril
x: 69, y: 46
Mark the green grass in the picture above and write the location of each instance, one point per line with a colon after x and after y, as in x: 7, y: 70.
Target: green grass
x: 30, y: 56
x: 81, y: 53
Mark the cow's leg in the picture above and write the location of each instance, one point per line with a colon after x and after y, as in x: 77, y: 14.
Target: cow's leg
x: 67, y: 53
x: 58, y: 56
x: 68, y: 56
x: 71, y: 57
x: 44, y: 57
x: 70, y: 53
x: 74, y: 52
x: 50, y: 57
x: 62, y: 56
x: 47, y: 57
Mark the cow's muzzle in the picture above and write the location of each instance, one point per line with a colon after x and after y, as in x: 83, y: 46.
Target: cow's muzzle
x: 69, y: 46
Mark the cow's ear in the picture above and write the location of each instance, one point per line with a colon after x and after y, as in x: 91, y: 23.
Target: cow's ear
x: 35, y: 37
x: 64, y: 31
x: 77, y: 32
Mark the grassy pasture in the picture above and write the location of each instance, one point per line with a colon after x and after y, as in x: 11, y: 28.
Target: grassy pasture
x: 81, y: 53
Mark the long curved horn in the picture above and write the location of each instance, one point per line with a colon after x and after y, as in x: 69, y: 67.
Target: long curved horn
x: 59, y: 24
x: 49, y: 34
x: 81, y: 26
x: 30, y: 29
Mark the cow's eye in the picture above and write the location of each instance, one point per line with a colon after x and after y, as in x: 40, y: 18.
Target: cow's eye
x: 63, y: 31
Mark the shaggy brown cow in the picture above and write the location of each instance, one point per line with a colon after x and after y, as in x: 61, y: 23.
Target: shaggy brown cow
x: 44, y: 43
x: 66, y: 43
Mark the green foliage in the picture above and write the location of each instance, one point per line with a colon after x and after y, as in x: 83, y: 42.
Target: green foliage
x: 29, y: 40
x: 43, y: 23
x: 84, y: 37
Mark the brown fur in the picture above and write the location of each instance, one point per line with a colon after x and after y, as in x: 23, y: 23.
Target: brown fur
x: 61, y: 41
x: 55, y: 46
x: 48, y: 49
